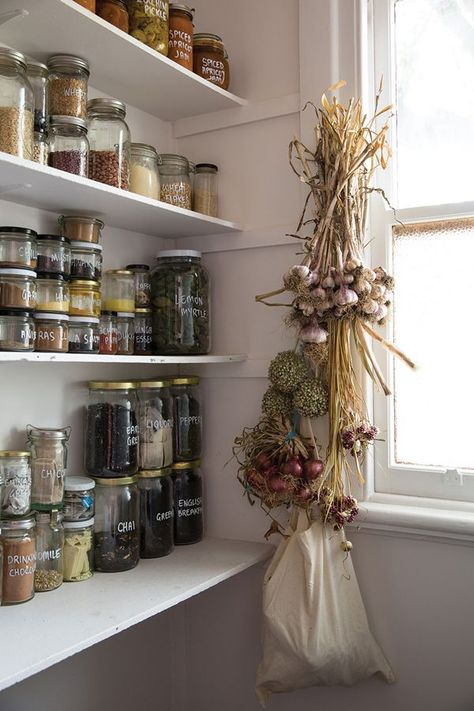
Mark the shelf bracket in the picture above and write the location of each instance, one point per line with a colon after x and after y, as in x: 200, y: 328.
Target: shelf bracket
x: 14, y: 186
x: 11, y: 14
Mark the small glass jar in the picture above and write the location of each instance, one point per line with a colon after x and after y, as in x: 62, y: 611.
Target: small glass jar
x: 210, y: 60
x: 149, y: 23
x: 49, y: 551
x: 41, y: 148
x: 16, y: 105
x: 15, y: 472
x: 67, y: 86
x: 78, y: 556
x: 54, y: 255
x: 144, y: 173
x: 142, y: 279
x: 187, y: 418
x: 155, y: 421
x: 180, y: 48
x: 37, y: 74
x: 188, y: 518
x: 181, y: 304
x: 86, y: 261
x: 48, y: 450
x: 81, y: 229
x: 18, y: 247
x: 143, y: 332
x: 83, y: 334
x: 51, y: 333
x: 68, y: 145
x: 156, y: 513
x: 53, y: 294
x: 117, y: 528
x: 87, y: 4
x: 175, y: 180
x: 18, y: 289
x: 79, y: 497
x: 84, y: 298
x: 125, y: 333
x: 205, y: 198
x: 109, y: 139
x: 118, y: 291
x: 108, y: 333
x: 17, y: 331
x: 18, y: 540
x: 112, y: 434
x: 115, y: 12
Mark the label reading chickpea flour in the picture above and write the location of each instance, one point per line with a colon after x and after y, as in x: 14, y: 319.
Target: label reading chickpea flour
x: 189, y: 507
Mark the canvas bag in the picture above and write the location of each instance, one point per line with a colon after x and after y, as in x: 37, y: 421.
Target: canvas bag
x: 315, y: 628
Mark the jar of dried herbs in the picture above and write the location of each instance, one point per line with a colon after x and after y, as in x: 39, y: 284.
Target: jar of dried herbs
x: 187, y: 418
x: 117, y: 524
x: 48, y: 466
x: 15, y: 483
x: 79, y: 498
x: 156, y: 513
x: 109, y: 140
x: 18, y: 540
x: 143, y: 332
x: 67, y: 85
x: 78, y: 554
x: 149, y: 23
x: 16, y: 105
x: 142, y: 280
x: 175, y: 180
x: 188, y: 519
x: 155, y: 418
x: 49, y: 551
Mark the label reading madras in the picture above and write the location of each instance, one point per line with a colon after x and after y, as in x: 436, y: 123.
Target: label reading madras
x: 190, y: 507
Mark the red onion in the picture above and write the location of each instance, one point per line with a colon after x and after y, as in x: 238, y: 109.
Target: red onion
x: 313, y: 468
x: 278, y: 485
x: 292, y: 468
x: 304, y: 494
x: 263, y: 462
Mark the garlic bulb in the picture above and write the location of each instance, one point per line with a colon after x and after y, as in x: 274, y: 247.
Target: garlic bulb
x: 352, y: 264
x: 319, y: 293
x: 314, y: 334
x: 328, y: 282
x: 370, y: 307
x: 304, y: 306
x: 361, y: 286
x: 378, y: 291
x: 381, y: 312
x: 344, y: 296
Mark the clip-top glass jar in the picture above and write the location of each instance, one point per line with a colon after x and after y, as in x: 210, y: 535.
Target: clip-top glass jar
x: 48, y: 466
x: 78, y: 550
x: 175, y: 180
x: 181, y: 304
x: 81, y: 229
x: 67, y: 85
x: 205, y: 199
x: 15, y: 472
x: 117, y: 524
x: 180, y: 48
x: 16, y: 105
x: 17, y: 537
x: 68, y: 145
x: 210, y: 60
x: 37, y: 74
x: 156, y: 513
x: 149, y: 23
x: 187, y: 418
x: 144, y: 173
x: 49, y: 551
x: 155, y: 418
x: 188, y: 518
x: 109, y: 139
x: 18, y: 247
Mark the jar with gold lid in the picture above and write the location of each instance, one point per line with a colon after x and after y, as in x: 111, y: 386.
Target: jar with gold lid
x: 118, y: 291
x: 180, y: 47
x: 188, y: 517
x: 156, y: 513
x: 84, y: 298
x: 210, y: 59
x: 117, y: 524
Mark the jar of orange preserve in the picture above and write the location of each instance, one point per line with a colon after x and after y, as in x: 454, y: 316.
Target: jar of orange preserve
x: 180, y: 47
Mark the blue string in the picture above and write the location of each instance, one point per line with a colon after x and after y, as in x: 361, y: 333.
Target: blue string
x: 295, y: 422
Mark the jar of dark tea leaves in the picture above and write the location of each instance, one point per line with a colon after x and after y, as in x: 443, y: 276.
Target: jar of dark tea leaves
x: 143, y: 332
x: 188, y: 519
x: 187, y: 417
x: 156, y: 513
x: 117, y: 524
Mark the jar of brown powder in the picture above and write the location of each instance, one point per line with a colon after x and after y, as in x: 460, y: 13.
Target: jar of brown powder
x: 18, y: 540
x: 18, y: 289
x: 51, y: 333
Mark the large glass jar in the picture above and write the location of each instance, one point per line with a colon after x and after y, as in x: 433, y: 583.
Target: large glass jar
x: 210, y: 60
x: 84, y: 297
x: 109, y: 139
x: 18, y: 289
x: 15, y: 473
x: 49, y: 551
x: 17, y: 331
x: 16, y: 105
x: 117, y: 525
x: 18, y: 540
x: 83, y: 334
x: 115, y: 12
x: 181, y: 304
x: 125, y: 333
x: 78, y: 550
x: 187, y: 417
x: 112, y: 432
x: 53, y: 294
x: 180, y: 48
x: 188, y: 518
x: 48, y: 466
x: 54, y: 255
x: 81, y: 228
x: 175, y: 181
x: 144, y: 173
x: 205, y: 198
x: 156, y: 513
x: 149, y: 23
x: 155, y: 419
x: 68, y: 145
x: 67, y: 86
x: 86, y: 261
x: 143, y: 332
x: 118, y: 291
x: 18, y: 247
x: 37, y: 74
x: 51, y: 333
x: 142, y: 279
x: 79, y: 498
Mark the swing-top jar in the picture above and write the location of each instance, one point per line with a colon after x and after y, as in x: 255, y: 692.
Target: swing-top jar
x: 48, y: 466
x: 49, y: 551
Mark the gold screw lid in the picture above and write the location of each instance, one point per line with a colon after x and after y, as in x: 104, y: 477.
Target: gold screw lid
x: 111, y: 385
x: 4, y: 453
x: 187, y: 465
x: 117, y: 481
x: 150, y: 384
x: 84, y: 283
x: 121, y: 272
x: 154, y: 473
x: 185, y: 380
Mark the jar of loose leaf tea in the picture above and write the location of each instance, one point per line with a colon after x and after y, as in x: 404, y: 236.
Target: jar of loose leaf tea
x: 16, y: 105
x: 53, y: 255
x: 49, y: 550
x: 78, y: 555
x: 188, y: 518
x: 67, y: 85
x: 17, y: 331
x: 15, y: 472
x: 51, y: 333
x: 37, y: 74
x: 18, y: 247
x: 109, y: 139
x: 69, y: 145
x: 143, y: 332
x: 48, y: 450
x: 175, y: 180
x: 53, y: 294
x: 149, y: 23
x: 156, y: 513
x: 142, y: 279
x: 117, y: 524
x: 155, y: 419
x: 18, y: 540
x: 83, y: 334
x: 125, y: 333
x: 79, y: 498
x: 187, y: 418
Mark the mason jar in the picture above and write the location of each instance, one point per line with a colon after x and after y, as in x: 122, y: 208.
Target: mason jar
x: 205, y: 189
x: 108, y: 333
x: 16, y: 105
x: 142, y: 280
x: 210, y: 59
x: 180, y: 48
x: 17, y: 331
x: 79, y: 498
x: 84, y: 295
x: 175, y: 180
x: 67, y: 86
x: 149, y: 23
x: 143, y: 332
x: 18, y: 247
x: 15, y: 473
x: 83, y: 334
x: 109, y: 139
x: 41, y: 148
x: 51, y: 333
x: 156, y: 513
x: 18, y: 540
x: 188, y: 518
x: 68, y: 145
x: 86, y: 261
x: 187, y: 418
x: 18, y: 289
x: 118, y: 291
x: 53, y: 294
x: 125, y: 333
x: 37, y: 74
x: 78, y: 556
x: 155, y: 420
x: 117, y: 525
x: 48, y: 450
x: 53, y: 255
x: 49, y: 551
x: 144, y: 173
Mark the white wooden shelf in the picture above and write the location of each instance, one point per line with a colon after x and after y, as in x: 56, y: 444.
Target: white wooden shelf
x: 10, y: 357
x: 27, y: 183
x: 58, y: 624
x: 121, y: 66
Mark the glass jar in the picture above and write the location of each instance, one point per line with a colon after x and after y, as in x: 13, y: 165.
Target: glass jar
x: 180, y: 47
x: 149, y: 23
x: 17, y: 331
x: 68, y: 145
x: 125, y: 333
x: 115, y: 12
x: 78, y: 555
x: 18, y: 289
x: 143, y: 332
x: 155, y: 422
x: 37, y: 74
x: 51, y: 333
x: 187, y: 418
x: 117, y: 528
x: 142, y: 280
x: 41, y: 148
x: 109, y: 138
x: 81, y: 229
x: 18, y: 247
x: 111, y: 429
x: 118, y: 291
x: 175, y: 180
x: 18, y: 540
x: 83, y: 334
x: 205, y: 189
x: 84, y: 298
x: 16, y: 105
x: 86, y: 261
x: 188, y: 519
x: 210, y: 60
x: 54, y: 255
x: 53, y: 294
x: 79, y: 497
x: 144, y: 173
x: 15, y: 472
x: 49, y: 551
x: 87, y: 4
x: 48, y: 465
x: 156, y: 513
x: 180, y: 302
x: 108, y: 333
x: 67, y: 86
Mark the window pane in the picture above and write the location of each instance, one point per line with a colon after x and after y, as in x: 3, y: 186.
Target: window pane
x: 434, y: 65
x: 434, y: 324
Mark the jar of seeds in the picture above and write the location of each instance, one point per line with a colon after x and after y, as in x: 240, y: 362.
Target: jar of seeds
x: 68, y: 145
x: 109, y: 139
x: 175, y: 180
x: 67, y: 85
x: 49, y: 551
x: 37, y: 74
x: 16, y: 105
x: 48, y: 466
x: 15, y: 472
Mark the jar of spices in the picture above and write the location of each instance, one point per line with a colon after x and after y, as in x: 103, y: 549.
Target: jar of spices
x: 109, y: 138
x: 87, y: 4
x: 18, y: 289
x: 180, y: 48
x: 54, y: 255
x: 118, y: 291
x: 51, y: 333
x: 15, y: 473
x: 156, y: 513
x: 83, y: 334
x: 41, y: 148
x: 155, y: 421
x: 210, y: 59
x: 68, y: 145
x: 17, y: 331
x: 16, y: 105
x: 181, y: 304
x: 86, y: 261
x: 117, y: 525
x: 188, y: 518
x: 112, y: 433
x: 48, y: 465
x: 37, y: 74
x: 115, y: 12
x: 67, y: 86
x: 143, y: 332
x: 187, y: 418
x: 81, y: 229
x: 53, y: 294
x: 142, y: 279
x: 108, y: 333
x: 149, y: 23
x: 84, y: 298
x: 18, y: 247
x: 144, y: 173
x: 205, y: 189
x: 49, y: 551
x: 18, y: 540
x: 125, y: 333
x: 175, y: 180
x: 79, y: 497
x: 78, y: 555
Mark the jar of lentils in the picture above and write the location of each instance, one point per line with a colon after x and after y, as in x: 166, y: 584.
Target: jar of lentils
x: 109, y: 139
x: 68, y: 145
x: 67, y: 86
x: 175, y: 180
x: 16, y: 105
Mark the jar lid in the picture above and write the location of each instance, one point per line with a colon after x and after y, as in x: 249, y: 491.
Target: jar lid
x: 140, y: 148
x: 36, y: 69
x: 76, y: 245
x: 7, y: 56
x: 183, y: 380
x: 184, y: 8
x: 56, y: 121
x: 204, y: 167
x: 108, y: 313
x: 83, y: 319
x: 151, y: 384
x: 43, y: 516
x: 138, y: 267
x: 45, y: 433
x: 187, y: 465
x: 42, y: 276
x: 67, y: 61
x: 23, y: 231
x: 53, y: 238
x: 85, y: 283
x: 17, y: 314
x: 12, y: 524
x: 120, y: 272
x: 79, y: 524
x: 81, y: 219
x: 78, y: 483
x: 18, y: 272
x: 154, y: 473
x: 168, y: 253
x: 13, y: 453
x: 111, y: 385
x: 40, y: 316
x: 105, y: 106
x: 143, y: 311
x: 125, y: 314
x: 170, y: 158
x: 117, y: 481
x: 201, y: 39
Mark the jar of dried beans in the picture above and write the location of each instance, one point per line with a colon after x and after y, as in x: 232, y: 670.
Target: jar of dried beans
x: 83, y: 334
x: 41, y: 148
x: 125, y: 333
x: 54, y: 255
x: 17, y: 331
x: 18, y: 247
x: 117, y: 524
x: 48, y: 466
x: 37, y: 74
x: 187, y: 417
x: 18, y: 540
x: 109, y: 138
x: 210, y: 60
x: 51, y: 333
x: 143, y: 332
x: 15, y: 471
x: 156, y: 513
x: 155, y: 420
x: 144, y: 173
x: 108, y: 333
x: 68, y: 145
x: 18, y: 289
x: 53, y: 294
x: 115, y: 12
x: 118, y: 291
x: 188, y: 518
x: 67, y: 85
x: 16, y: 105
x: 175, y: 180
x: 180, y: 48
x: 84, y: 298
x: 78, y: 550
x: 49, y: 550
x: 205, y: 189
x: 86, y: 261
x: 149, y: 23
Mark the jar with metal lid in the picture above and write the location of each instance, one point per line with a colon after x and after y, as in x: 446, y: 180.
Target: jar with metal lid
x: 41, y: 148
x: 115, y: 12
x: 125, y: 333
x: 79, y: 497
x: 15, y: 473
x: 48, y: 450
x: 16, y: 105
x: 17, y: 331
x: 37, y: 74
x: 49, y: 551
x: 53, y: 294
x: 143, y: 332
x: 54, y: 255
x: 18, y: 540
x: 155, y: 421
x: 142, y: 280
x: 51, y: 333
x: 180, y: 47
x: 117, y: 525
x: 144, y: 173
x: 156, y: 513
x: 87, y: 4
x: 83, y: 334
x: 205, y: 189
x: 78, y: 555
x: 181, y: 304
x: 18, y: 289
x: 188, y: 518
x: 187, y: 417
x: 67, y: 86
x: 80, y: 228
x: 175, y: 181
x: 108, y: 333
x: 68, y: 145
x: 149, y: 23
x: 118, y: 291
x: 109, y: 139
x: 18, y: 247
x: 84, y: 298
x: 210, y: 60
x: 112, y: 433
x: 86, y: 261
